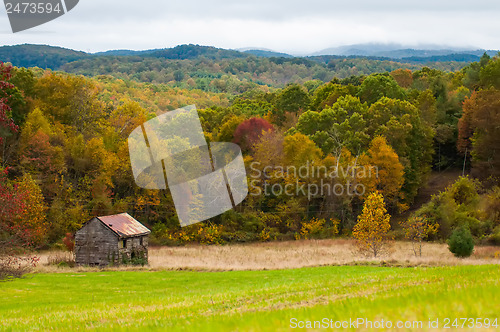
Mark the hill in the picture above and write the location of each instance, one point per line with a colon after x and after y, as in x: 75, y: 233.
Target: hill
x: 124, y: 52
x: 267, y: 53
x: 43, y: 56
x: 183, y: 52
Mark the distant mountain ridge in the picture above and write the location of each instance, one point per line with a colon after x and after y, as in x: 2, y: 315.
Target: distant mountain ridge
x: 53, y: 57
x: 398, y: 51
x: 267, y: 53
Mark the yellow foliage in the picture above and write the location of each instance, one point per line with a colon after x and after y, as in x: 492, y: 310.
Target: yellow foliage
x: 32, y: 217
x: 373, y: 225
x: 388, y: 174
x: 206, y: 234
x: 314, y: 226
x: 264, y: 235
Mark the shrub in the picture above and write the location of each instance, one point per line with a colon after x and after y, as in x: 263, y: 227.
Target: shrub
x: 69, y: 242
x: 461, y: 243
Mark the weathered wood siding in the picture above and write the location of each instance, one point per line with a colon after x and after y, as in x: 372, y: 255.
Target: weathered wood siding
x: 95, y: 244
x: 133, y: 246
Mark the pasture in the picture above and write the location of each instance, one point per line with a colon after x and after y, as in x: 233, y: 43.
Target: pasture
x: 264, y: 300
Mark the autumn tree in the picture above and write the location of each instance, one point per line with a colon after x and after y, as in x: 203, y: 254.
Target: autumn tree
x: 269, y: 150
x: 371, y: 231
x: 16, y: 233
x: 299, y: 150
x: 249, y: 132
x: 72, y: 100
x: 33, y: 216
x: 404, y: 77
x: 227, y: 128
x: 417, y: 229
x: 387, y: 173
x: 479, y: 130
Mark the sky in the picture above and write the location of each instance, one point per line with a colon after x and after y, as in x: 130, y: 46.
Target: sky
x: 293, y: 26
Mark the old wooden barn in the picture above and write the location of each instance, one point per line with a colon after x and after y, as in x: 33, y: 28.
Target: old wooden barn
x: 114, y: 239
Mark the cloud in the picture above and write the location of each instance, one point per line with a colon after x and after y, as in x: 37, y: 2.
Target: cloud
x: 292, y: 26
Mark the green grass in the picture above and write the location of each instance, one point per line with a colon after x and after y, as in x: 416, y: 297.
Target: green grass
x: 247, y: 300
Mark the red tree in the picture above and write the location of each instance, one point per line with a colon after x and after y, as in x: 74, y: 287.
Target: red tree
x: 15, y: 238
x: 249, y: 132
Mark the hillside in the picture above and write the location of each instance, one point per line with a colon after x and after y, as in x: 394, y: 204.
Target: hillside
x: 42, y: 56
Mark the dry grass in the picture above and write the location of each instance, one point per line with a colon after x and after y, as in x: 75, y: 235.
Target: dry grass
x: 285, y: 255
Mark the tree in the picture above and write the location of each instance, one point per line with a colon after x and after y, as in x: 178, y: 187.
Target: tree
x: 249, y: 132
x: 490, y: 73
x: 228, y: 127
x: 34, y: 212
x: 371, y: 231
x: 7, y: 125
x: 298, y: 150
x: 16, y: 237
x: 401, y: 124
x: 404, y: 77
x: 293, y: 99
x: 341, y: 125
x: 479, y: 130
x: 461, y: 243
x: 417, y: 229
x: 389, y: 175
x: 269, y: 150
x: 377, y: 86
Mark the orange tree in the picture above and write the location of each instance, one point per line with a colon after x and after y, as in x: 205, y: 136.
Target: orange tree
x: 373, y: 225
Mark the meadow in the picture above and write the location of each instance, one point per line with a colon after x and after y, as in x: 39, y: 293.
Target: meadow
x: 265, y: 300
x: 283, y: 255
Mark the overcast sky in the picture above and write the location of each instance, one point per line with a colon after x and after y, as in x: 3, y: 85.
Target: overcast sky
x: 291, y: 26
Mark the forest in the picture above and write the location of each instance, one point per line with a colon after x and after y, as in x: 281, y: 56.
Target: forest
x: 64, y: 153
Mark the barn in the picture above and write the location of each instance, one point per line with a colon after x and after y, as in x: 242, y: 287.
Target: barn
x: 115, y: 239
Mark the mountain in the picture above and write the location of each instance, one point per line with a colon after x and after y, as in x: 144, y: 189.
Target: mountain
x: 358, y: 49
x: 443, y: 58
x: 398, y: 51
x: 42, y: 56
x: 124, y: 53
x: 52, y: 57
x: 184, y: 52
x: 268, y: 54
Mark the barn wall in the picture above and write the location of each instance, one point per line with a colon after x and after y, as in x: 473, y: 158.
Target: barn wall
x: 95, y: 244
x: 133, y: 245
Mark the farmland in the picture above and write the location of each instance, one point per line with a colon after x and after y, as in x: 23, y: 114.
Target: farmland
x: 246, y: 300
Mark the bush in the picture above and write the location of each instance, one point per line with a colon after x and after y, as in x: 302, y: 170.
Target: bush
x: 461, y: 243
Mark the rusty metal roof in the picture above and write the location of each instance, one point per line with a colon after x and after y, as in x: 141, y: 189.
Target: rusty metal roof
x: 124, y: 225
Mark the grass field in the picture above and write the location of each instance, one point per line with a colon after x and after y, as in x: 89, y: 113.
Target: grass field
x: 289, y: 255
x: 247, y: 300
